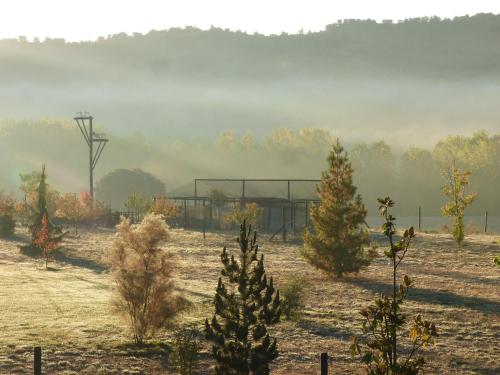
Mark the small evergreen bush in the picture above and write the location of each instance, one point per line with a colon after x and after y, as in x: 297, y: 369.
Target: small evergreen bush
x: 185, y: 352
x: 292, y: 298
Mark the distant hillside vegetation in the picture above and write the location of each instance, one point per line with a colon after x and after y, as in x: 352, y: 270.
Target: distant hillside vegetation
x: 356, y: 78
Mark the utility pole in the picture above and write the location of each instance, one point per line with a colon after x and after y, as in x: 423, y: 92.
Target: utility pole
x: 84, y: 122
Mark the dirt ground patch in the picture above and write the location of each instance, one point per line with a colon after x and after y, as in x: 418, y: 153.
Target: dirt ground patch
x: 67, y: 309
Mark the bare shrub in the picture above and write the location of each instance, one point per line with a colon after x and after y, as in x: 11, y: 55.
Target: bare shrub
x: 143, y: 276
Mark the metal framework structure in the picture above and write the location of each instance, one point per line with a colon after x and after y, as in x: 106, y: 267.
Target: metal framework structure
x: 84, y: 121
x: 244, y: 180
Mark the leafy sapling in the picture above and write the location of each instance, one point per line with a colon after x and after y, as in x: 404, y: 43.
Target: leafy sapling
x: 381, y: 352
x: 454, y: 189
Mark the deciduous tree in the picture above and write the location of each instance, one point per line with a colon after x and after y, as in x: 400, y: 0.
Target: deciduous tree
x: 7, y: 215
x: 250, y: 214
x: 455, y: 189
x: 74, y: 208
x: 382, y: 352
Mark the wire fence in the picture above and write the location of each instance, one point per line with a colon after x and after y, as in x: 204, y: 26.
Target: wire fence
x: 473, y: 224
x: 290, y: 217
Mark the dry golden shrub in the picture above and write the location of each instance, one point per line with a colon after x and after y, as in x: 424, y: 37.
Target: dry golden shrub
x: 143, y: 275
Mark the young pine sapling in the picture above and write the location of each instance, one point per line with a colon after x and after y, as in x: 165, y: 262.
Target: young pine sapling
x: 244, y: 307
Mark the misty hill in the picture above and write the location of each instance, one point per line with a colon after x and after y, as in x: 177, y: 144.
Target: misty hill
x: 356, y: 78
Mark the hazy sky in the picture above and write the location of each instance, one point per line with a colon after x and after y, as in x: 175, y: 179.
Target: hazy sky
x: 88, y: 19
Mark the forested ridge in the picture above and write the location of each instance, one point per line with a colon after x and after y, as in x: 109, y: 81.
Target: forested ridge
x: 464, y: 47
x: 357, y: 78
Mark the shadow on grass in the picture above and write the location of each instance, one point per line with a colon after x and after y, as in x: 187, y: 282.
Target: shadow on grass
x: 146, y: 350
x: 459, y: 276
x: 15, y: 237
x: 324, y: 330
x: 61, y: 256
x: 479, y: 304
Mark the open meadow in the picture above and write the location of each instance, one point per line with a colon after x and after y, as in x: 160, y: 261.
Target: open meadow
x: 67, y: 309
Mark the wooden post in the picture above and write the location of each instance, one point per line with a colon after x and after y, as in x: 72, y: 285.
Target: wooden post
x: 283, y: 221
x: 185, y: 213
x: 324, y: 363
x: 292, y: 216
x: 419, y: 218
x: 37, y: 364
x: 288, y: 190
x: 195, y: 191
x: 243, y: 188
x: 486, y: 222
x: 269, y: 212
x: 307, y: 214
x: 203, y: 224
x: 210, y: 207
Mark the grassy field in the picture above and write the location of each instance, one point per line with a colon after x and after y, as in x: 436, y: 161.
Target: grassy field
x: 67, y: 309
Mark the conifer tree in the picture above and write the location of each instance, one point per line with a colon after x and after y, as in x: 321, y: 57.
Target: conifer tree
x: 337, y: 244
x: 243, y: 310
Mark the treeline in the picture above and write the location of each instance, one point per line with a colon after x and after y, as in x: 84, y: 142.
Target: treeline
x: 378, y: 169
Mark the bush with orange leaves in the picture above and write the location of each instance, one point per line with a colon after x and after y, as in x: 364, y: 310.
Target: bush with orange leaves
x: 74, y: 208
x: 7, y: 213
x: 44, y: 241
x: 143, y: 276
